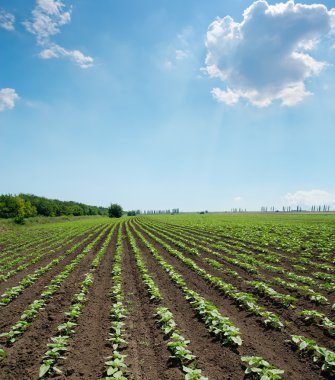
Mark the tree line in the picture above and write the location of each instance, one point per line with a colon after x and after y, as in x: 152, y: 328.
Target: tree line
x: 27, y: 205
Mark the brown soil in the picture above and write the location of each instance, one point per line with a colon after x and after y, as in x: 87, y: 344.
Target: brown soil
x: 27, y: 351
x: 88, y: 348
x: 27, y: 248
x: 45, y: 260
x: 291, y: 316
x: 257, y: 341
x: 11, y: 312
x: 216, y: 361
x: 148, y: 356
x: 304, y: 302
x: 49, y: 251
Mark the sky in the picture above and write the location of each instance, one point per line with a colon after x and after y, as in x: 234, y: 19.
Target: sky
x: 167, y: 104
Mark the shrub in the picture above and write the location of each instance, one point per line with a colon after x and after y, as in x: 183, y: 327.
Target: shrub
x: 115, y: 211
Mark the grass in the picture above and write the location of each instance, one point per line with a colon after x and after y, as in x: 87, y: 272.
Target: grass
x: 270, y: 217
x: 7, y: 225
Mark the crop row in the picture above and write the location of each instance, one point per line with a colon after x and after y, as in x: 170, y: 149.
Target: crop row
x: 286, y: 300
x: 12, y: 293
x: 30, y: 313
x: 217, y: 325
x: 31, y: 238
x: 324, y: 357
x: 48, y: 247
x: 115, y: 364
x: 177, y: 344
x: 245, y: 259
x: 242, y: 238
x: 244, y: 300
x: 59, y: 344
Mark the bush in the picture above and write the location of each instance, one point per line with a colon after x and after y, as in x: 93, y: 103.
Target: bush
x: 15, y: 207
x: 19, y: 219
x: 115, y: 211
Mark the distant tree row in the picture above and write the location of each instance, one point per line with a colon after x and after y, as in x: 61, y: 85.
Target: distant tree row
x: 28, y: 205
x: 153, y: 212
x: 13, y: 206
x: 324, y: 208
x: 133, y: 212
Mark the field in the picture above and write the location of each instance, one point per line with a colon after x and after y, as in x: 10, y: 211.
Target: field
x: 169, y: 297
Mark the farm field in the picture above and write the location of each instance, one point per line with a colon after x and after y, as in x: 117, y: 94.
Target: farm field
x: 214, y: 296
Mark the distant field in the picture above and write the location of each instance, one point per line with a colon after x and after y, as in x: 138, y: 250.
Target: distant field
x: 187, y: 296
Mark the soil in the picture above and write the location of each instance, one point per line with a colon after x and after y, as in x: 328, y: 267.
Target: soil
x: 286, y: 263
x: 25, y: 354
x: 88, y: 348
x: 9, y: 313
x: 216, y: 361
x: 271, y: 345
x: 50, y: 251
x: 147, y: 353
x: 148, y: 357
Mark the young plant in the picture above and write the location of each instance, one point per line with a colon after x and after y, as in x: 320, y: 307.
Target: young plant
x: 258, y: 368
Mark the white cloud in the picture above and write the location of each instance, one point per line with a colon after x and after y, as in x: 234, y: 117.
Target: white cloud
x: 48, y: 17
x: 6, y: 20
x: 8, y: 97
x: 181, y: 54
x: 56, y: 51
x: 180, y: 51
x: 237, y: 199
x: 229, y: 97
x: 310, y: 198
x: 263, y: 58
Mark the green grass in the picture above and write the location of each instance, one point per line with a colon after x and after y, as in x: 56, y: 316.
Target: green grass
x: 7, y: 225
x: 257, y: 218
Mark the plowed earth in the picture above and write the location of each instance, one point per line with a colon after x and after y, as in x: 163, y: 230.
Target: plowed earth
x: 148, y: 357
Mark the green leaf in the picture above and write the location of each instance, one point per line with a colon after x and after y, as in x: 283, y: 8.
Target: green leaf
x: 3, y: 353
x: 44, y: 369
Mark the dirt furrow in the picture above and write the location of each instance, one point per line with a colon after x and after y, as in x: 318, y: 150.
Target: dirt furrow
x: 27, y: 351
x: 297, y: 326
x: 257, y: 341
x: 11, y: 312
x: 45, y: 260
x: 148, y: 357
x: 217, y: 362
x: 88, y: 348
x: 302, y: 304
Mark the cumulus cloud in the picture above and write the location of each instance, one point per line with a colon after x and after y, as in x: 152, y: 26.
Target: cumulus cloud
x: 237, y: 199
x: 265, y: 57
x: 8, y: 97
x: 6, y: 20
x: 48, y: 17
x: 310, y: 198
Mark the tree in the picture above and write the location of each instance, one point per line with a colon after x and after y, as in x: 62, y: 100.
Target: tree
x: 115, y: 211
x: 20, y: 210
x: 16, y: 207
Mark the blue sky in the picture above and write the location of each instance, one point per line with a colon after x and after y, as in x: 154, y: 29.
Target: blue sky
x: 164, y: 104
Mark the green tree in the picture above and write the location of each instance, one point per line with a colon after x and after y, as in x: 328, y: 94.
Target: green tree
x: 16, y: 207
x: 20, y: 210
x: 115, y: 211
